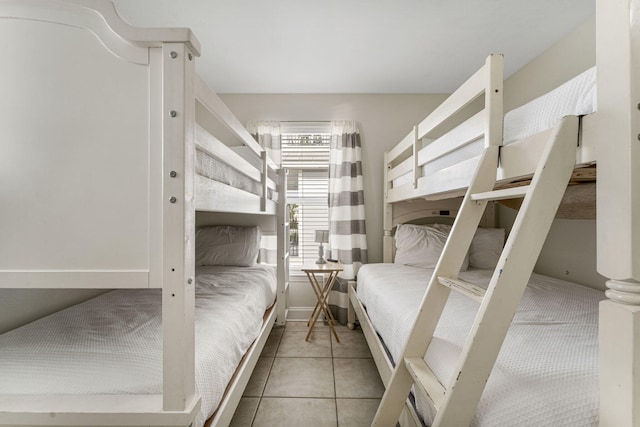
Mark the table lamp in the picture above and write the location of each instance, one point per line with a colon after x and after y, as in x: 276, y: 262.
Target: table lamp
x: 322, y: 236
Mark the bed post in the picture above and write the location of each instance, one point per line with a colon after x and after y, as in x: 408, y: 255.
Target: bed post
x: 387, y: 224
x: 618, y: 209
x: 178, y: 224
x: 265, y: 177
x: 415, y: 156
x: 283, y: 247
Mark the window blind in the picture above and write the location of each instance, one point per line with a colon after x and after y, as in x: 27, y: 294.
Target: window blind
x: 306, y: 155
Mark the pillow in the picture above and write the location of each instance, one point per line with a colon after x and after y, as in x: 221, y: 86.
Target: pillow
x: 227, y: 245
x: 486, y: 247
x: 420, y: 246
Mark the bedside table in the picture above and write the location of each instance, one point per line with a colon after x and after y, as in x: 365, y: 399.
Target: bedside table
x: 322, y: 292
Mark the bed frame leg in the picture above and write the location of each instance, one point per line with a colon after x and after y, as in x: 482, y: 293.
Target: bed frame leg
x: 619, y: 334
x: 351, y: 313
x: 618, y: 210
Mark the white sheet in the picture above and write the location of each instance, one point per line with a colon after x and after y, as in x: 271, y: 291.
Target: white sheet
x: 467, y: 151
x: 112, y: 344
x: 547, y: 371
x: 575, y: 97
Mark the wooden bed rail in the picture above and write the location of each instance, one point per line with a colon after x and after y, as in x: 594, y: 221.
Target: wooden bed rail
x: 408, y: 157
x: 208, y: 143
x: 212, y: 102
x: 487, y: 80
x: 212, y: 146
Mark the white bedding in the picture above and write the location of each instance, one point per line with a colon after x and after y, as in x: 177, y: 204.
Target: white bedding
x: 112, y: 344
x: 547, y: 371
x: 575, y: 97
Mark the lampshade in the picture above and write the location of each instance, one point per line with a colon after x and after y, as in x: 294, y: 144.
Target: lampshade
x: 322, y: 236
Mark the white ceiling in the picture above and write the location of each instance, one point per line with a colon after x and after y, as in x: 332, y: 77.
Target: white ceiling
x: 358, y: 46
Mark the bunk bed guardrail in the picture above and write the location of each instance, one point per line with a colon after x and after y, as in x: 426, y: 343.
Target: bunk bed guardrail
x: 410, y: 156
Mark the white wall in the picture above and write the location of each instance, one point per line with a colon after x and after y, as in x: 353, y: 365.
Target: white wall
x: 570, y: 249
x: 562, y: 61
x: 569, y: 252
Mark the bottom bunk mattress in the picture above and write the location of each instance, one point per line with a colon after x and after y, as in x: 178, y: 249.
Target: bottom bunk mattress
x: 112, y: 344
x: 547, y: 371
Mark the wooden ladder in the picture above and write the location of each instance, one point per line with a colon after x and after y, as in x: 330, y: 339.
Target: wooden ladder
x: 455, y: 405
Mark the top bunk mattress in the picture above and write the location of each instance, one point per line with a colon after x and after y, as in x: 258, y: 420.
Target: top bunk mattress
x: 216, y: 170
x: 547, y: 370
x: 576, y: 97
x: 112, y: 344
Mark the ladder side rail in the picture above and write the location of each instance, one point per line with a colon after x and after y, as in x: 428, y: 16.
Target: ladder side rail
x: 509, y: 280
x: 462, y: 232
x: 436, y: 295
x: 453, y: 253
x: 484, y: 179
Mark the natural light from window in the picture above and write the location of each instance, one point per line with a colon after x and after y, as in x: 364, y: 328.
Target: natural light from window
x: 306, y: 156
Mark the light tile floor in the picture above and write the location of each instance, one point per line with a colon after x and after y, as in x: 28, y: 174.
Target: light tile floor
x: 320, y: 382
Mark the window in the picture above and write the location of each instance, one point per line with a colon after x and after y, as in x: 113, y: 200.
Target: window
x: 305, y: 152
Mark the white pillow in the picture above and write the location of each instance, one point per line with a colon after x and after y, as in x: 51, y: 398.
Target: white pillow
x: 421, y: 246
x: 227, y: 245
x: 486, y: 247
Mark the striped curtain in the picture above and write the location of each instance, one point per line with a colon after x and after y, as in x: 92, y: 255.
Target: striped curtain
x: 268, y: 136
x: 347, y: 233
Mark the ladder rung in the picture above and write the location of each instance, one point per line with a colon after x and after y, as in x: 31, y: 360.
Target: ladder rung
x: 467, y: 289
x: 425, y: 380
x: 507, y: 193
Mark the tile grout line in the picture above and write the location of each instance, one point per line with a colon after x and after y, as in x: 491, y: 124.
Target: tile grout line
x: 255, y: 414
x: 335, y: 391
x: 264, y: 387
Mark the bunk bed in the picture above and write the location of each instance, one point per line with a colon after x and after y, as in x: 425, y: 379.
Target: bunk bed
x: 436, y: 162
x: 113, y: 151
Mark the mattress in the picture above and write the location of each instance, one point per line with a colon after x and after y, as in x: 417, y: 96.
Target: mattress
x: 547, y: 371
x: 112, y: 344
x: 576, y: 97
x: 212, y: 168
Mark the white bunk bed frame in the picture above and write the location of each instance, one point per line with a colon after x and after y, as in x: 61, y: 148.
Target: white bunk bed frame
x: 133, y: 115
x: 609, y: 138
